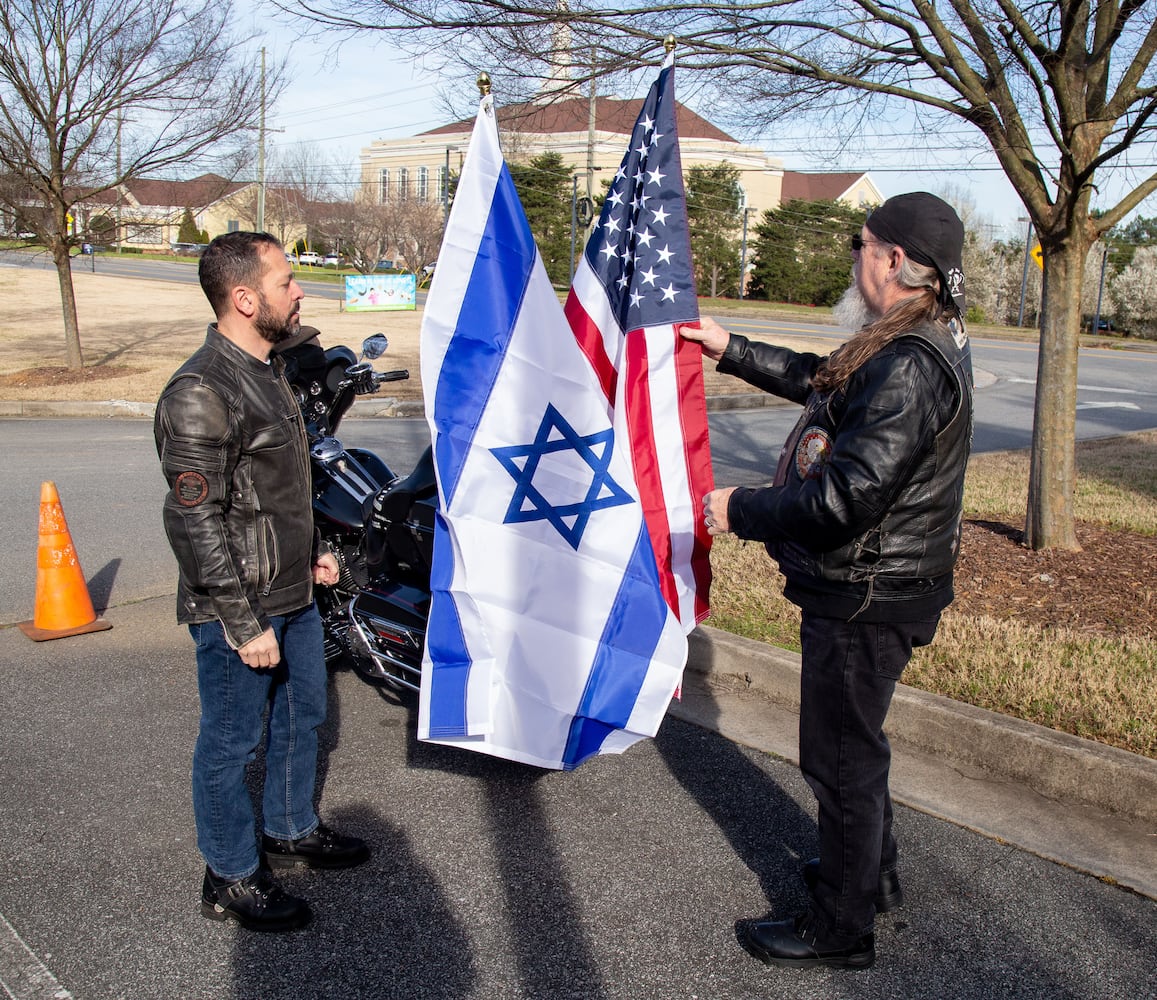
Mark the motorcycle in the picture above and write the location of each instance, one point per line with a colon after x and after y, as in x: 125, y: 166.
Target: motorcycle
x: 379, y: 526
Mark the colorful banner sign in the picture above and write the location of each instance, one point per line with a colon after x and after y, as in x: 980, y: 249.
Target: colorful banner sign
x: 380, y: 292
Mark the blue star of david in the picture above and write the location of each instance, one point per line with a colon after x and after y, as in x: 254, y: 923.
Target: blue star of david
x: 529, y: 504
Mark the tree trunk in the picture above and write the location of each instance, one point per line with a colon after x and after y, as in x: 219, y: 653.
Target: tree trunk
x: 68, y: 304
x: 1050, y: 519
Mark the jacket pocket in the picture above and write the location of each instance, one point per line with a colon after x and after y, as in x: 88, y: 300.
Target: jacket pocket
x: 268, y: 553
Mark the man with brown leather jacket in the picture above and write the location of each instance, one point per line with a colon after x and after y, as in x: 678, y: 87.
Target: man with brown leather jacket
x: 239, y: 519
x: 863, y: 517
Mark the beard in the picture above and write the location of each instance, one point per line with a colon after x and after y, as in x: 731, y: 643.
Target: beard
x: 276, y: 330
x: 852, y: 311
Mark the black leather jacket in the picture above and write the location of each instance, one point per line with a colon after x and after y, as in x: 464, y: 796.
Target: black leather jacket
x: 867, y: 496
x: 238, y: 512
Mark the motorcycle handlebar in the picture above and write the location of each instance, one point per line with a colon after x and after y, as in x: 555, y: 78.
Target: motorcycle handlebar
x: 366, y: 381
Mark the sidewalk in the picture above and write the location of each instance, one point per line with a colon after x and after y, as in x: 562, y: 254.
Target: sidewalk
x: 1085, y: 805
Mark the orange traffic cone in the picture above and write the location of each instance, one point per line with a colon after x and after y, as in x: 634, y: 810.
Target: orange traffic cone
x: 63, y: 606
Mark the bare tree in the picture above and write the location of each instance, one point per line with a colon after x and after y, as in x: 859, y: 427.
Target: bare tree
x: 303, y: 177
x: 1060, y: 90
x: 94, y: 93
x: 365, y: 229
x: 297, y: 189
x: 419, y: 234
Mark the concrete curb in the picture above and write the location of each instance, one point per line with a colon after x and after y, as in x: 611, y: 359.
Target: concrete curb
x: 80, y: 409
x: 1055, y: 765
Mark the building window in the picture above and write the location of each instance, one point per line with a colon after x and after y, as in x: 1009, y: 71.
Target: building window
x: 403, y: 183
x: 144, y: 233
x: 232, y: 226
x: 442, y: 178
x: 384, y: 185
x: 423, y: 184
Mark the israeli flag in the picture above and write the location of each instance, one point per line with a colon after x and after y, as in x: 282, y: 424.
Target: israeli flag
x: 549, y: 638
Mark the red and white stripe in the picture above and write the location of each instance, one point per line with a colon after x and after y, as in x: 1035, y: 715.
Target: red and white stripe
x: 653, y: 381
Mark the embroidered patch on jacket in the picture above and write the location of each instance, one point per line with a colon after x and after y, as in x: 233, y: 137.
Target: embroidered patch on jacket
x: 190, y: 489
x: 812, y: 452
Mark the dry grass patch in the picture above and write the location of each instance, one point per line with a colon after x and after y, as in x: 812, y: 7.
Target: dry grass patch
x: 1116, y: 484
x: 1098, y: 687
x: 1064, y: 640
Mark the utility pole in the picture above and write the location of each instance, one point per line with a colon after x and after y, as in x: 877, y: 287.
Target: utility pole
x: 573, y: 222
x: 1100, y: 292
x: 591, y: 115
x: 120, y: 182
x: 261, y: 153
x: 1024, y: 272
x: 743, y: 253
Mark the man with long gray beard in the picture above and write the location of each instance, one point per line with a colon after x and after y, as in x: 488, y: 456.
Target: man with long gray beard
x: 239, y: 518
x: 863, y: 517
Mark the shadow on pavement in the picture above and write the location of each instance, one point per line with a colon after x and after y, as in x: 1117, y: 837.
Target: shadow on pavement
x: 765, y: 826
x: 552, y: 955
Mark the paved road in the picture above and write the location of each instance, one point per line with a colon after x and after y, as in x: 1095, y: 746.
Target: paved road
x: 135, y: 266
x: 622, y: 880
x: 108, y: 480
x: 490, y: 880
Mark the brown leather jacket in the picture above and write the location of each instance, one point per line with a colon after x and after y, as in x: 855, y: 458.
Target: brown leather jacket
x: 238, y: 513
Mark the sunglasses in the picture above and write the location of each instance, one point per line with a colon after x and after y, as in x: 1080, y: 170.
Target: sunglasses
x: 858, y: 243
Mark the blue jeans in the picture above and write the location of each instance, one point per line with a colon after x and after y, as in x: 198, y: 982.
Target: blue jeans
x: 849, y: 674
x: 233, y: 703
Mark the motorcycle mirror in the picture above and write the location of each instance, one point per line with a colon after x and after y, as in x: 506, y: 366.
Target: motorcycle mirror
x: 375, y: 346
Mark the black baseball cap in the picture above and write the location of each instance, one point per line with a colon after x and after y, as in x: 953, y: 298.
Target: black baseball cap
x: 931, y: 233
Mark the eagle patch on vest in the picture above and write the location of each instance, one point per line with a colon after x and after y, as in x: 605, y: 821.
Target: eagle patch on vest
x: 813, y: 452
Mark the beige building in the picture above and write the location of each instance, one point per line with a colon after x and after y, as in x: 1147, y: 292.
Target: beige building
x: 417, y: 167
x: 148, y: 212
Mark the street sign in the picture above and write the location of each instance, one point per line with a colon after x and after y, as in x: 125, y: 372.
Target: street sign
x: 1039, y: 256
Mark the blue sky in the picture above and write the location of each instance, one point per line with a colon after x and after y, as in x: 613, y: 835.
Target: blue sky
x: 342, y: 96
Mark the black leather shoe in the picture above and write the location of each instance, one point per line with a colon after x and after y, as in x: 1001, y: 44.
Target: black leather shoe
x: 889, y: 895
x: 255, y: 902
x: 796, y: 943
x: 324, y: 848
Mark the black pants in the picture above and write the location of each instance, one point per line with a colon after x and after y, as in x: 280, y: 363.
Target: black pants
x: 849, y: 675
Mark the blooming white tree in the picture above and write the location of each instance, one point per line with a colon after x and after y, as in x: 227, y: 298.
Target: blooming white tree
x: 1134, y: 294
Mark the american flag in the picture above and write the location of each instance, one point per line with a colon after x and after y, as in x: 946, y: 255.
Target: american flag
x: 632, y: 291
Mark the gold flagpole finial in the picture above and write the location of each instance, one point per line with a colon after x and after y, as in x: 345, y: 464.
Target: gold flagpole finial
x: 669, y: 43
x: 483, y: 83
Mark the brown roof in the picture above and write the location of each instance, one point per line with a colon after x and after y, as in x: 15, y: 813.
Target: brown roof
x: 611, y: 115
x: 816, y: 187
x: 195, y: 193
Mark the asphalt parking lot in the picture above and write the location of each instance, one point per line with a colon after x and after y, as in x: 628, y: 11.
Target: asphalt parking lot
x: 623, y: 879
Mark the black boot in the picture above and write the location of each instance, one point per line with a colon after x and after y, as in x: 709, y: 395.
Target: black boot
x: 324, y: 848
x: 255, y: 902
x: 800, y: 943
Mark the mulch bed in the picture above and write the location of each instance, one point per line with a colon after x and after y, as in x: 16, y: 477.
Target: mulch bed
x: 38, y: 378
x: 1108, y: 587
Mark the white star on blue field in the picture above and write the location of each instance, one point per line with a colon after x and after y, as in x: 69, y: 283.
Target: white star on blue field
x: 530, y: 504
